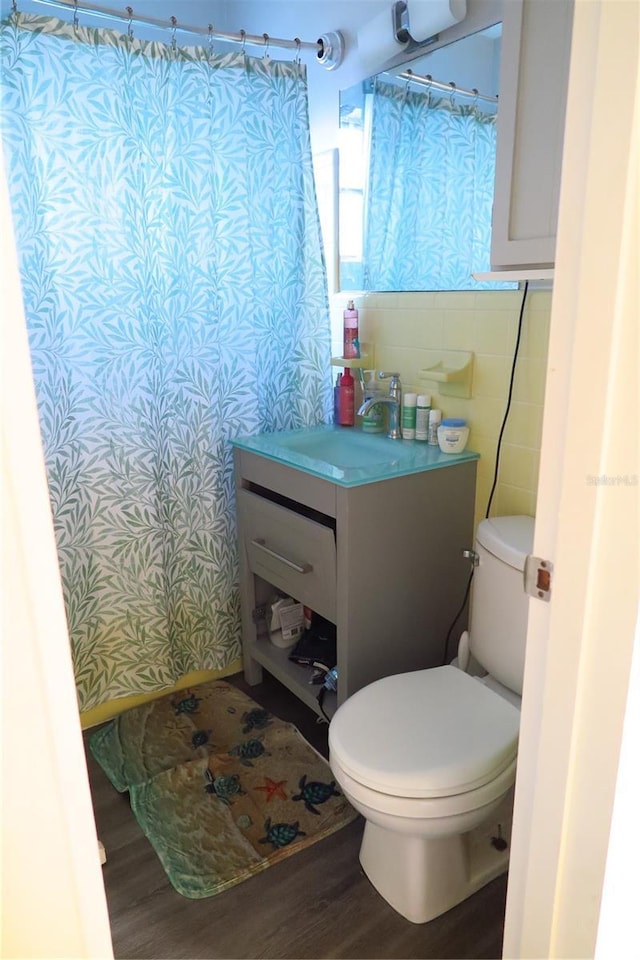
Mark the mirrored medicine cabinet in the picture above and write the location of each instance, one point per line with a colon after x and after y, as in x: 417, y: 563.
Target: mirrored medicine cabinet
x: 417, y: 168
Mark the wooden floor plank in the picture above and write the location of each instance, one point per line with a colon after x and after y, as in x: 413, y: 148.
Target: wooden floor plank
x: 315, y: 905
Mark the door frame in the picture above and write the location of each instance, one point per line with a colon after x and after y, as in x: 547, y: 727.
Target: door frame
x: 53, y: 897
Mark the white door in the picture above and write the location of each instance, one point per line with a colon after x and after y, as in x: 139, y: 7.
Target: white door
x: 579, y: 646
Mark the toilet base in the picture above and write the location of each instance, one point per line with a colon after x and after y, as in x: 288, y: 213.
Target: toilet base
x: 423, y: 877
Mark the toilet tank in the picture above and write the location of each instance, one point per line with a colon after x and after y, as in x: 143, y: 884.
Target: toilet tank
x: 499, y: 606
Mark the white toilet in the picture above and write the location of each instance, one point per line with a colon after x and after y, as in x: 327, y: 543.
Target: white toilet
x: 429, y: 757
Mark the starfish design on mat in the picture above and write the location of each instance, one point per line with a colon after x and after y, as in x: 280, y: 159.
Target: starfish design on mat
x: 273, y: 788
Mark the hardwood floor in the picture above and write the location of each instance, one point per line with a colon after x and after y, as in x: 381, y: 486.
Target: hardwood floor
x: 315, y: 904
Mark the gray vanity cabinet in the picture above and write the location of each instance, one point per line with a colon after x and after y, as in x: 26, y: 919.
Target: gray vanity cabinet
x: 534, y: 75
x: 382, y: 560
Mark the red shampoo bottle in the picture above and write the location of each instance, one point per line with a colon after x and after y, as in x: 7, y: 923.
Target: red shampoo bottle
x: 346, y: 400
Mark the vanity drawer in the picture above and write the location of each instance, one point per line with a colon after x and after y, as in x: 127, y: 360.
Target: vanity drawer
x: 294, y: 553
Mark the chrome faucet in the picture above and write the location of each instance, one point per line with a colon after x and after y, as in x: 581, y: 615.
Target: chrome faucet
x: 392, y: 401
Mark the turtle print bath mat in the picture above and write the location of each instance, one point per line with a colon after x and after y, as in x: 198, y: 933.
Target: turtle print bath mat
x: 221, y: 788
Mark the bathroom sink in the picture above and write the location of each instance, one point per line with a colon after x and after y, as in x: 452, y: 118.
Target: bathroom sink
x: 346, y: 455
x: 346, y: 448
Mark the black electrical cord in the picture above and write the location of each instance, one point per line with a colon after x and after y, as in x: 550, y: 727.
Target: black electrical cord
x: 497, y: 465
x: 445, y: 658
x: 508, y: 407
x: 321, y: 696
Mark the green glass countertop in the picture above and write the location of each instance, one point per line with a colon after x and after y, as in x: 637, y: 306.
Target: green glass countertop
x: 347, y: 456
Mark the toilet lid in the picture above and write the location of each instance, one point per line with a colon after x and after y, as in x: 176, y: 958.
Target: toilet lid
x: 431, y: 733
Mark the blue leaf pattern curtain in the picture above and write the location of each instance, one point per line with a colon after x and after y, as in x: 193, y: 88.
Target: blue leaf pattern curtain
x: 175, y: 293
x: 430, y: 192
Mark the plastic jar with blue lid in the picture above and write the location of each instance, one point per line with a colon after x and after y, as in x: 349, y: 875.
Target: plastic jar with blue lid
x: 453, y: 434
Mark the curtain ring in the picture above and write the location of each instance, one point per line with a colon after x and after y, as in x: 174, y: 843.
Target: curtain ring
x: 265, y: 55
x: 406, y: 86
x: 243, y: 34
x: 14, y: 7
x: 452, y: 94
x: 129, y: 27
x: 211, y: 50
x: 174, y: 24
x: 76, y: 22
x: 298, y: 44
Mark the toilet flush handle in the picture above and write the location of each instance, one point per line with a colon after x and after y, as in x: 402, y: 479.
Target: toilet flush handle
x: 472, y: 556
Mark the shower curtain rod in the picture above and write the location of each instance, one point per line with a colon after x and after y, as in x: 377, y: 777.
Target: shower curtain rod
x: 329, y: 48
x: 451, y: 88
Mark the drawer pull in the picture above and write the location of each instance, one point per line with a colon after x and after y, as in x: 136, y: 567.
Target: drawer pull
x: 298, y: 567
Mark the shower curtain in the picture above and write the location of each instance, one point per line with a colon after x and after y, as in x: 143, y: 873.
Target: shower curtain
x: 175, y: 293
x: 430, y: 192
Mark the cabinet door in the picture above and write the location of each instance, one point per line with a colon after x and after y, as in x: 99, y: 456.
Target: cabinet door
x: 534, y: 73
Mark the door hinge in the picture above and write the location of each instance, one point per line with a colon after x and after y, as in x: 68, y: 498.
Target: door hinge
x: 537, y: 578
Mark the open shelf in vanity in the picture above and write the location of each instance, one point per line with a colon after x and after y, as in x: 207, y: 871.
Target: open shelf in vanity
x: 382, y: 559
x: 292, y: 675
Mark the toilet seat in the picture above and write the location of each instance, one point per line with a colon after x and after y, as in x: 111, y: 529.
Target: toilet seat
x: 372, y: 802
x: 427, y: 734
